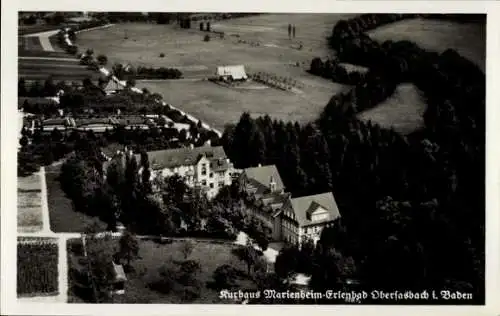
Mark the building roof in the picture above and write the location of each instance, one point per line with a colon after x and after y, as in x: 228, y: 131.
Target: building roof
x: 55, y: 121
x: 113, y: 86
x: 237, y: 71
x: 134, y: 120
x: 118, y: 273
x: 96, y: 120
x: 307, y: 204
x: 171, y: 158
x: 260, y: 178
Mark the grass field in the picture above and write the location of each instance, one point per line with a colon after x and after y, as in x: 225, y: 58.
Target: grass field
x: 31, y: 43
x: 63, y: 217
x: 469, y: 39
x: 154, y: 255
x: 29, y: 204
x: 403, y: 110
x: 218, y: 105
x: 32, y: 68
x: 37, y: 273
x: 142, y: 44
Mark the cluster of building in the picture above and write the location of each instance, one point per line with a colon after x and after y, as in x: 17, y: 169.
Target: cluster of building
x: 208, y: 168
x: 101, y: 124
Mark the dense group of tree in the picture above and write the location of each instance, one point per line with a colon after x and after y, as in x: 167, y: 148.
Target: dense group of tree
x: 38, y: 148
x: 125, y: 73
x: 149, y: 206
x: 331, y: 69
x: 412, y: 206
x: 33, y: 89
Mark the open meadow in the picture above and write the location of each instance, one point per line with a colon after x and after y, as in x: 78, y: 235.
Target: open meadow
x: 29, y: 204
x: 143, y: 284
x: 403, y: 110
x: 260, y: 43
x: 218, y: 105
x: 468, y: 39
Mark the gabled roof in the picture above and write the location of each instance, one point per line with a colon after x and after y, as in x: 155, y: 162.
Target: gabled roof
x: 308, y: 204
x: 96, y: 120
x: 55, y: 121
x: 118, y: 273
x: 260, y: 178
x: 171, y: 158
x: 237, y: 71
x: 113, y: 86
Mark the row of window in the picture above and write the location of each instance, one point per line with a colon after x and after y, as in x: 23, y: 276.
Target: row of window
x: 211, y: 185
x: 204, y: 173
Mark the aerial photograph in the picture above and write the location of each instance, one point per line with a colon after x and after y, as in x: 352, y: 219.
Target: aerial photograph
x: 251, y: 158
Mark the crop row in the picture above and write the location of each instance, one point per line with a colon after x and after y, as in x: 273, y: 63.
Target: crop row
x: 37, y: 268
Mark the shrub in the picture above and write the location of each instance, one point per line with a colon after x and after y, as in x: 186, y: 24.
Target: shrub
x: 162, y: 55
x: 206, y: 38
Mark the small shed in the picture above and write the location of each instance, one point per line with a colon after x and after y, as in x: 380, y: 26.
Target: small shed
x: 112, y: 87
x: 233, y: 73
x: 118, y: 279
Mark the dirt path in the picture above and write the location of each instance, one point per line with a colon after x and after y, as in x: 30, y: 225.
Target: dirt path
x: 45, y: 204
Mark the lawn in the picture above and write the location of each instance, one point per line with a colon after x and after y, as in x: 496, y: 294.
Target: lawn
x: 469, y: 39
x: 37, y: 273
x: 63, y: 217
x: 153, y: 256
x: 29, y: 205
x: 218, y: 105
x: 142, y: 44
x: 403, y: 110
x: 59, y: 69
x: 30, y: 43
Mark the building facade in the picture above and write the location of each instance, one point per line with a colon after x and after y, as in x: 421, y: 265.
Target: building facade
x: 204, y: 167
x: 288, y: 219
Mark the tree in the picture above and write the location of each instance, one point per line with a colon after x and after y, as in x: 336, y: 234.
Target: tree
x: 248, y: 255
x: 131, y: 83
x: 187, y: 248
x: 24, y: 141
x: 225, y: 277
x: 129, y: 247
x: 21, y: 88
x: 102, y: 60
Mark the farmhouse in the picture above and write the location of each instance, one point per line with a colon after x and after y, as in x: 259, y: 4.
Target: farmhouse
x: 112, y: 87
x: 289, y: 219
x: 231, y: 73
x: 203, y: 167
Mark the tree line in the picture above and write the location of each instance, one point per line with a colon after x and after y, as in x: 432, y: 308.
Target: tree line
x: 151, y: 206
x: 412, y: 206
x: 141, y: 72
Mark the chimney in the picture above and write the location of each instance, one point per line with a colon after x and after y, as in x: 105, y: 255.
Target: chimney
x: 272, y: 184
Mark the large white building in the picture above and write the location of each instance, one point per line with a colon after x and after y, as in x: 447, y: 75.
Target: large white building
x: 289, y: 219
x: 204, y: 167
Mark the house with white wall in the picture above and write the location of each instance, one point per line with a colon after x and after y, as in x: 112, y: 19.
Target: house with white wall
x: 205, y: 167
x: 288, y: 219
